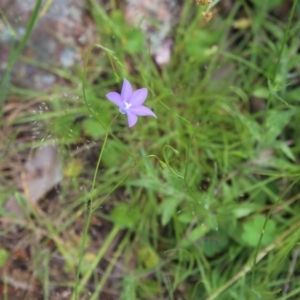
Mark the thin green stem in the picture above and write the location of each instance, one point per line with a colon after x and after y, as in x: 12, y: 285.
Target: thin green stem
x: 90, y: 211
x: 90, y: 201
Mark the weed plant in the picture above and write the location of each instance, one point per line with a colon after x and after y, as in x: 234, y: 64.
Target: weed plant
x: 200, y: 203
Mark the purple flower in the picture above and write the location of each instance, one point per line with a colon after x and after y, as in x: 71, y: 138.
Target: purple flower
x: 131, y: 103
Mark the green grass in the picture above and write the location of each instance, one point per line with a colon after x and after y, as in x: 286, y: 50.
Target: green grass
x: 16, y: 51
x: 200, y: 203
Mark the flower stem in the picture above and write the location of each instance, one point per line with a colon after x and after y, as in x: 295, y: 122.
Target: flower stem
x: 90, y: 211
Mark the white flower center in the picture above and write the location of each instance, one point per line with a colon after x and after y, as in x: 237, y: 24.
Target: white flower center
x: 125, y: 108
x: 127, y: 105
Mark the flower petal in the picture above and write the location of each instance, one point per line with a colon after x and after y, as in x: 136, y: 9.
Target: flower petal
x: 138, y: 97
x: 142, y: 111
x: 132, y: 119
x: 126, y: 91
x: 115, y: 98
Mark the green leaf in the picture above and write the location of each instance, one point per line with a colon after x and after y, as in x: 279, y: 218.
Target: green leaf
x: 214, y: 243
x: 252, y: 230
x: 254, y: 130
x: 167, y: 209
x: 244, y: 209
x: 185, y: 217
x: 125, y: 216
x: 148, y: 257
x: 195, y: 235
x: 261, y: 92
x: 287, y: 151
x: 274, y: 125
x: 93, y: 128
